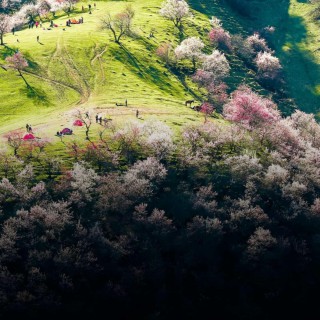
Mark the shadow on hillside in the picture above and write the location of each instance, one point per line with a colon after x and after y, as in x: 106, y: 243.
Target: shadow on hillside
x: 300, y: 68
x: 9, y: 51
x: 6, y: 51
x: 38, y: 96
x: 148, y: 73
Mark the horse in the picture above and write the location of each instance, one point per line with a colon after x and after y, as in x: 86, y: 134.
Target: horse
x: 189, y: 102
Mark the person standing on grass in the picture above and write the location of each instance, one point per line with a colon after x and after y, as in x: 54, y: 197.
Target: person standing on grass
x: 97, y: 118
x: 137, y: 114
x: 27, y: 127
x: 37, y: 38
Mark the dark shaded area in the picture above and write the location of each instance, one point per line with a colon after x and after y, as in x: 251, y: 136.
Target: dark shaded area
x: 149, y: 74
x: 37, y: 95
x: 206, y: 239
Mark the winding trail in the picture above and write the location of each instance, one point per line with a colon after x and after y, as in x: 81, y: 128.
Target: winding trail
x: 79, y: 84
x: 98, y: 57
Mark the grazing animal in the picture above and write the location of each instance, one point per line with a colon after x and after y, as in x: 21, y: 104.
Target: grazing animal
x: 189, y: 102
x: 197, y: 108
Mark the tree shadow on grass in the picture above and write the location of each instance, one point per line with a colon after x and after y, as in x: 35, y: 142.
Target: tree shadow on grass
x: 7, y: 51
x: 147, y: 72
x: 37, y: 95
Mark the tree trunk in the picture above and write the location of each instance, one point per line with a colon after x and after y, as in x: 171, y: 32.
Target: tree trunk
x: 1, y: 39
x: 25, y: 81
x: 194, y: 64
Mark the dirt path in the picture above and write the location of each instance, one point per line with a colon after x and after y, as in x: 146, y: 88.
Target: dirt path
x: 98, y: 57
x: 79, y: 84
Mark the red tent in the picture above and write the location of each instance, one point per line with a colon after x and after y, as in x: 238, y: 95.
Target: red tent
x: 29, y: 136
x: 66, y: 131
x: 78, y: 123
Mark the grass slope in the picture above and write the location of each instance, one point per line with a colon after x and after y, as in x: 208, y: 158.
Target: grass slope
x: 82, y: 67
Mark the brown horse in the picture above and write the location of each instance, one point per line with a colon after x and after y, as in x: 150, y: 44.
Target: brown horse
x: 189, y: 102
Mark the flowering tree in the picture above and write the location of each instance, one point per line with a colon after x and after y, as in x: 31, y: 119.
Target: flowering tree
x: 19, y: 63
x: 30, y: 12
x: 214, y: 68
x: 207, y: 109
x: 175, y: 11
x: 268, y: 66
x: 190, y: 48
x: 220, y: 38
x: 5, y: 26
x: 217, y: 64
x: 120, y: 24
x: 14, y: 140
x: 250, y: 110
x: 257, y: 43
x: 217, y: 93
x: 164, y: 51
x: 67, y: 5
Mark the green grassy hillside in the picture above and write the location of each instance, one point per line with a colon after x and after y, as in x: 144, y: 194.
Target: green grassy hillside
x: 81, y: 67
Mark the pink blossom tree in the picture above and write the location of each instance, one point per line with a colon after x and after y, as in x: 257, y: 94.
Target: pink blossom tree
x: 207, y: 109
x: 190, y: 48
x: 14, y: 140
x: 220, y: 38
x: 19, y: 63
x: 250, y: 110
x: 164, y: 52
x: 217, y: 93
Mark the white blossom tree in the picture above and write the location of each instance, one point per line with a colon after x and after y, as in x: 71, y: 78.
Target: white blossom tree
x: 190, y: 48
x: 175, y: 11
x: 217, y: 64
x: 268, y: 66
x: 5, y: 26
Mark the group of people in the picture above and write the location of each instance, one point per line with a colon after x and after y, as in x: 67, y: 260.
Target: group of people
x: 99, y: 119
x: 61, y: 133
x: 74, y: 21
x: 29, y: 128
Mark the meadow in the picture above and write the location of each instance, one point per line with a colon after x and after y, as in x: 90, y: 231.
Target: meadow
x: 81, y: 68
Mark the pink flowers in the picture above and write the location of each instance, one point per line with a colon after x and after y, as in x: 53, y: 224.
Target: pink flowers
x: 249, y: 109
x: 17, y: 61
x: 221, y: 38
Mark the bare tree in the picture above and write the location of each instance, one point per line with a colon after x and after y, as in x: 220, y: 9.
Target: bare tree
x: 86, y: 120
x: 120, y: 24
